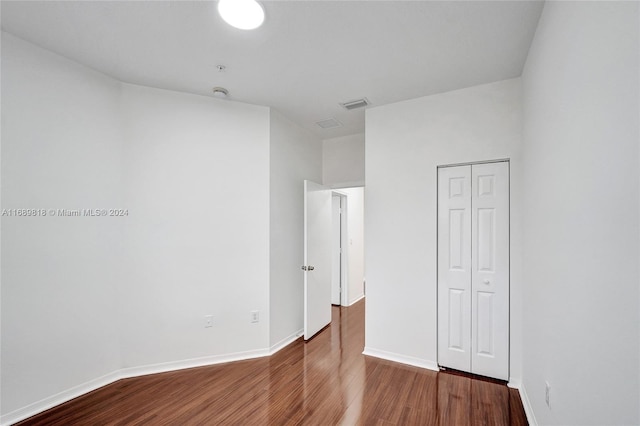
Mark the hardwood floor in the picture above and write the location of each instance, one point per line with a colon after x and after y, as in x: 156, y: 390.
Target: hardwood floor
x: 326, y: 381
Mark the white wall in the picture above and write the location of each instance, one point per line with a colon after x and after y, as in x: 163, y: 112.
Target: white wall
x: 343, y: 161
x: 406, y: 141
x: 295, y: 156
x: 88, y: 300
x: 197, y: 237
x: 355, y: 243
x: 581, y: 309
x: 61, y: 149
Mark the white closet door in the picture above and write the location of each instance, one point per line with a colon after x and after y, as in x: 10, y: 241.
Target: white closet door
x: 490, y: 270
x: 454, y: 267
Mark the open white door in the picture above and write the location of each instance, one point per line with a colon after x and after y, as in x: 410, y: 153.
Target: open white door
x: 317, y: 258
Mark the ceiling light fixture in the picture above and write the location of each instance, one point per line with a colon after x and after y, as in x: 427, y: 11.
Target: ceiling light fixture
x: 242, y: 14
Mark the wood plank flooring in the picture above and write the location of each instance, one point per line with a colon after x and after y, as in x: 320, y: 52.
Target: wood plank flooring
x: 326, y: 381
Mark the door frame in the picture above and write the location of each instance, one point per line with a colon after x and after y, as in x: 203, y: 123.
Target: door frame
x: 344, y: 239
x: 472, y: 163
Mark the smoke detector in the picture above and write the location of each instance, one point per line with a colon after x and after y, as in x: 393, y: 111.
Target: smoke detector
x: 220, y: 92
x: 355, y: 104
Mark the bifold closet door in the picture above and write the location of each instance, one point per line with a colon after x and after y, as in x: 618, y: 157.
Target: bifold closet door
x: 490, y: 270
x: 454, y: 267
x: 473, y: 269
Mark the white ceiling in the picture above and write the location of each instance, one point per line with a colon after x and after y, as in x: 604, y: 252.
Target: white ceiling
x: 306, y: 58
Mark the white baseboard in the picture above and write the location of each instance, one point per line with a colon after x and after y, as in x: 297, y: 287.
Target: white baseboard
x: 514, y: 383
x: 356, y: 300
x: 164, y: 367
x: 285, y: 342
x: 403, y: 359
x: 528, y: 409
x: 57, y: 399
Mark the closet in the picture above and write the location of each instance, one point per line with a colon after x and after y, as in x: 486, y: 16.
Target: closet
x: 473, y: 268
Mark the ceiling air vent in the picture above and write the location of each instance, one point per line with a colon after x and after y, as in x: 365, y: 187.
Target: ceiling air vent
x: 358, y: 103
x: 329, y: 123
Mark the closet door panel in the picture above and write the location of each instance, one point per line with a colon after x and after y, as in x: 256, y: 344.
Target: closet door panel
x: 454, y: 267
x: 490, y: 270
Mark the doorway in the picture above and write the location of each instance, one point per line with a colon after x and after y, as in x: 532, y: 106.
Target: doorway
x: 319, y: 212
x: 473, y: 268
x: 348, y: 245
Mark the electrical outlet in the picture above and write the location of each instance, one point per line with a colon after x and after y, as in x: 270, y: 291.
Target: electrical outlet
x: 208, y: 321
x: 547, y: 394
x: 255, y: 316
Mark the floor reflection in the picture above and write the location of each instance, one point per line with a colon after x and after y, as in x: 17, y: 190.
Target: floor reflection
x: 339, y: 385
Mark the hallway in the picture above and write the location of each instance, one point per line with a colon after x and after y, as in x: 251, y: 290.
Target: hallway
x: 323, y: 382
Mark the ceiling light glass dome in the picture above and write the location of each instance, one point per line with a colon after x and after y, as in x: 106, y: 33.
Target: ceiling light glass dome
x: 242, y: 14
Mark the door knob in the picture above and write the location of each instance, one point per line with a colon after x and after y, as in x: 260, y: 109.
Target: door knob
x: 311, y: 268
x: 487, y: 282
